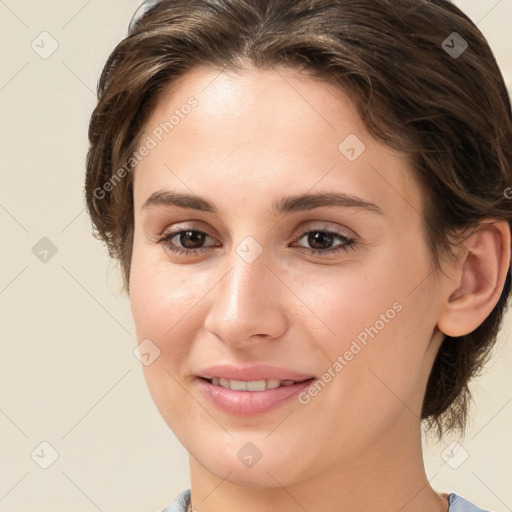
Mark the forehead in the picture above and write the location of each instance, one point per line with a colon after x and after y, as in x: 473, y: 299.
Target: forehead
x: 272, y: 106
x: 269, y: 131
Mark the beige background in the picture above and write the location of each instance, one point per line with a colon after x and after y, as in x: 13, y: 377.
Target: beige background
x: 68, y: 376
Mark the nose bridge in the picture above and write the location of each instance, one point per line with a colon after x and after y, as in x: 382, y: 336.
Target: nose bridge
x: 247, y: 300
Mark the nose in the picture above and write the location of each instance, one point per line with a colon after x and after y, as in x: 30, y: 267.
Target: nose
x: 248, y: 304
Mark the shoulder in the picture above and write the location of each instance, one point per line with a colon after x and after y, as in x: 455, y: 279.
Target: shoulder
x: 180, y: 503
x: 459, y: 504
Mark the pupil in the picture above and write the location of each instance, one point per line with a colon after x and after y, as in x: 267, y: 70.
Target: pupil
x: 318, y: 239
x: 196, y: 237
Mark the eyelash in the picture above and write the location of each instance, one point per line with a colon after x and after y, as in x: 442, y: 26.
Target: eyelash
x: 349, y: 243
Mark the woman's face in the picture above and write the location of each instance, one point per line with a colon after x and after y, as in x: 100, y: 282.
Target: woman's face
x: 358, y: 316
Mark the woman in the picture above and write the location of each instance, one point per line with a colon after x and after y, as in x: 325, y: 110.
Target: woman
x: 308, y: 201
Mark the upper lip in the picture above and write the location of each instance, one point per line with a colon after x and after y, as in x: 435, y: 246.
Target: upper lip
x: 252, y: 372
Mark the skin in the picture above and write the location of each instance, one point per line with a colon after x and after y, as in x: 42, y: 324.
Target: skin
x: 254, y: 138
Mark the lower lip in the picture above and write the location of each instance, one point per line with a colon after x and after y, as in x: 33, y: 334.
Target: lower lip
x: 250, y: 403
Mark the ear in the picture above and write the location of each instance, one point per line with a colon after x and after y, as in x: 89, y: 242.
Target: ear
x: 477, y: 278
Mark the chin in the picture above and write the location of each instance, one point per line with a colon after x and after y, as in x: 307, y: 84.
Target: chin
x: 277, y: 465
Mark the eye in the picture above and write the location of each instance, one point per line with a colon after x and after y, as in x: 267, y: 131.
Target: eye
x: 319, y: 239
x: 191, y: 241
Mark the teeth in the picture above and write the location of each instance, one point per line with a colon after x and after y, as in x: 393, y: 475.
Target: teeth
x: 238, y: 385
x: 273, y: 383
x: 253, y: 385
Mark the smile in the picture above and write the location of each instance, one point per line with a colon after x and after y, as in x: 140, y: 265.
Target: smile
x: 250, y: 398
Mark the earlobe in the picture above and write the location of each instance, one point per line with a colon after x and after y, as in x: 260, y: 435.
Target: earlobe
x: 481, y: 275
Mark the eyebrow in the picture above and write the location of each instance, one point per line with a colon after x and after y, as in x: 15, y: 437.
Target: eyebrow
x: 285, y: 205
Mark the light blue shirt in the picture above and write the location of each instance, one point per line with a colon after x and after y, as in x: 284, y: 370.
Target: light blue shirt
x: 457, y: 504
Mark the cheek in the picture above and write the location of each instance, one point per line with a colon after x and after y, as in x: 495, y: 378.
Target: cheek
x: 359, y: 302
x: 380, y: 329
x: 162, y: 304
x: 161, y: 299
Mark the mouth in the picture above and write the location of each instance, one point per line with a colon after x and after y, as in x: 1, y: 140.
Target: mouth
x: 250, y: 397
x: 250, y: 389
x: 253, y: 385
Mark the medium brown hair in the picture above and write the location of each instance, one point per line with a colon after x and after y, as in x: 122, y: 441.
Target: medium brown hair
x: 402, y: 66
